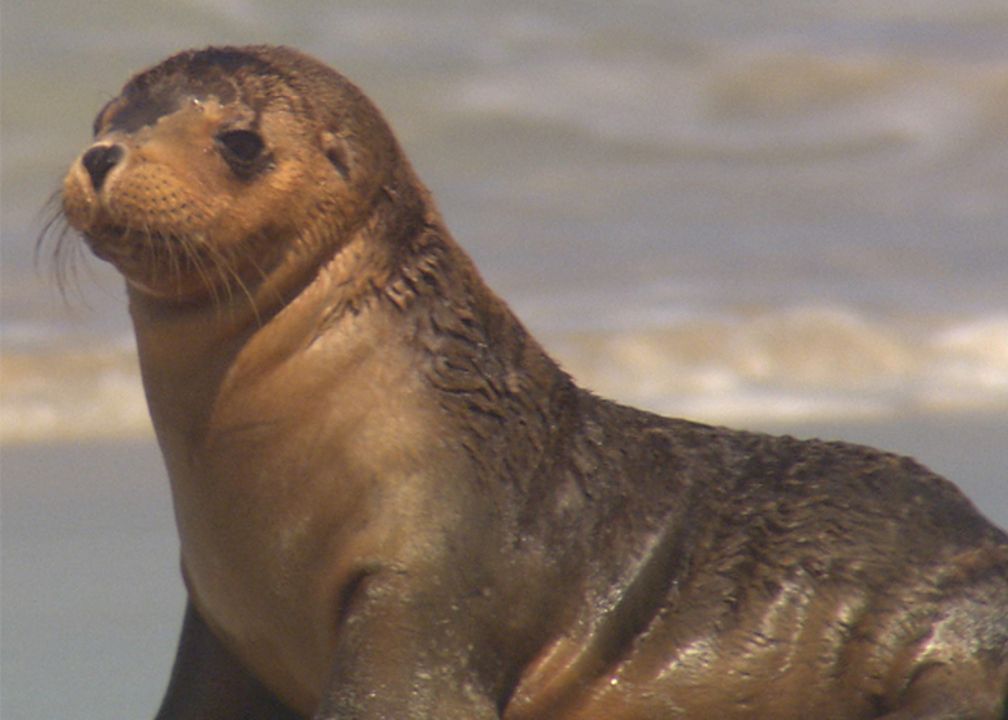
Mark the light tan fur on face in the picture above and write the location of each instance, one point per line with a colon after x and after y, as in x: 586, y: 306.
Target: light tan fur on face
x: 179, y: 225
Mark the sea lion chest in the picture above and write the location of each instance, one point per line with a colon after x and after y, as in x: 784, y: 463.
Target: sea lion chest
x: 300, y: 473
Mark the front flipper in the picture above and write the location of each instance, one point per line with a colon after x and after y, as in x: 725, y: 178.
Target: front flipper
x: 405, y: 656
x: 208, y: 682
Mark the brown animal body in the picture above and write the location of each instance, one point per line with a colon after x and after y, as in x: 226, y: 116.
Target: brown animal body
x: 393, y: 504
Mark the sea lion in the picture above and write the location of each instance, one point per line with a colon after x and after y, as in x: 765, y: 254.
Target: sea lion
x: 393, y: 504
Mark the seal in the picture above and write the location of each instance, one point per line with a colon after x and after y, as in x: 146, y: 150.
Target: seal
x: 393, y: 504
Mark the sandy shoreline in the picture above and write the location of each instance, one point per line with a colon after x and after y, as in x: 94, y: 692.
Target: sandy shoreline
x: 92, y: 594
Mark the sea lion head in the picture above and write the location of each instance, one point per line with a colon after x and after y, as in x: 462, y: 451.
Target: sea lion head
x: 231, y: 167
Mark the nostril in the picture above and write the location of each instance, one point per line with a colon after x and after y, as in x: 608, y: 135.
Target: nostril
x: 99, y: 160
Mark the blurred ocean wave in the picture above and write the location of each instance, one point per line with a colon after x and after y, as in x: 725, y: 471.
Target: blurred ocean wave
x: 798, y: 364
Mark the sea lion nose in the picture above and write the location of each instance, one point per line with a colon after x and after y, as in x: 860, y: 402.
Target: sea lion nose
x: 99, y: 160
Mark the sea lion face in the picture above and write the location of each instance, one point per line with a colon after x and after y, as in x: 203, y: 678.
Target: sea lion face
x: 215, y: 170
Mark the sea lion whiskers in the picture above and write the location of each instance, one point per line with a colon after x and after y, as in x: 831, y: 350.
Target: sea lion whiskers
x: 193, y: 254
x: 66, y: 256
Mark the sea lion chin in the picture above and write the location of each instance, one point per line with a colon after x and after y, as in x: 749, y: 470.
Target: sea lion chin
x: 392, y: 503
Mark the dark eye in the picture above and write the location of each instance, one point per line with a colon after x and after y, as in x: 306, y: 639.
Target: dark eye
x: 242, y: 150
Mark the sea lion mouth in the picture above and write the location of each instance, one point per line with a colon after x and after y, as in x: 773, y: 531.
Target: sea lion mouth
x: 152, y: 249
x: 165, y: 264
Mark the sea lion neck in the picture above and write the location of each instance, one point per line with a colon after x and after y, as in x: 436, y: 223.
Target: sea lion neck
x: 226, y: 343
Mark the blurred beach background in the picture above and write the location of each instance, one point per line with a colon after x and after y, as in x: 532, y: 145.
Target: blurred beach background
x: 788, y: 215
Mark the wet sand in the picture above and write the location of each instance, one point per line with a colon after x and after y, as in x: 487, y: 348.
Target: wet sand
x: 92, y: 597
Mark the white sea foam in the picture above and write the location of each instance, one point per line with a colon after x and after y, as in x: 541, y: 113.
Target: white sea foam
x: 811, y: 363
x: 71, y: 393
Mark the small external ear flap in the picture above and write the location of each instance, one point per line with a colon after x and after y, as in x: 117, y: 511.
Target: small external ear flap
x: 338, y: 153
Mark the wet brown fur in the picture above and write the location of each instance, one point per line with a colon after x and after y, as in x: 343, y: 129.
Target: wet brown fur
x: 392, y: 502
